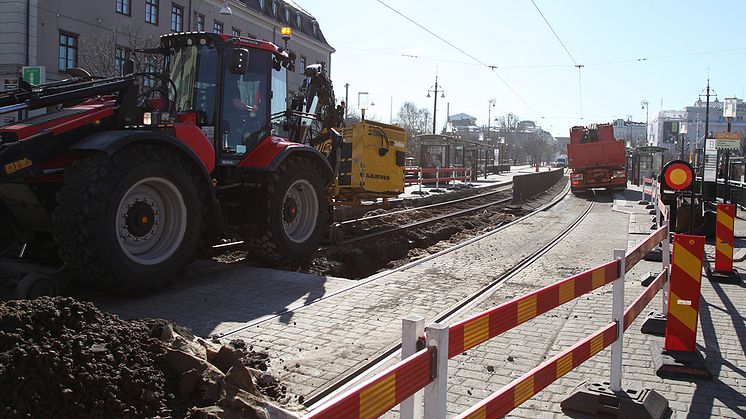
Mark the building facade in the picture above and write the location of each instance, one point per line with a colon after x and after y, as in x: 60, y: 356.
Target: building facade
x: 96, y: 35
x: 633, y: 133
x: 685, y: 129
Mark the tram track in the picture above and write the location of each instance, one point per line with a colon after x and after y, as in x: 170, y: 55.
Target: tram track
x: 339, y: 230
x: 386, y: 356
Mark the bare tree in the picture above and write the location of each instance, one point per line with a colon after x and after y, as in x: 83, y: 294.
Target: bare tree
x: 97, y: 51
x: 508, y: 122
x: 414, y: 120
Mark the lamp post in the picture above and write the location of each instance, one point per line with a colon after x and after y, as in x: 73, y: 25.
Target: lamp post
x: 729, y: 112
x: 435, y: 103
x: 645, y: 106
x: 362, y: 103
x: 489, y: 115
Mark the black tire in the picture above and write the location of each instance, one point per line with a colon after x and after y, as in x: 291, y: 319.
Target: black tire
x: 98, y: 244
x: 9, y: 229
x: 271, y: 243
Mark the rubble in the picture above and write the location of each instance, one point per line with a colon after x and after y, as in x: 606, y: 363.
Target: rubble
x: 63, y: 358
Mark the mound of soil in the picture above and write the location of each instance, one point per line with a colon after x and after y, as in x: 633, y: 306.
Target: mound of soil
x: 63, y: 358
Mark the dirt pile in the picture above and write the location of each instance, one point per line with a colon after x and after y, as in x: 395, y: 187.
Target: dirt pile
x: 63, y: 358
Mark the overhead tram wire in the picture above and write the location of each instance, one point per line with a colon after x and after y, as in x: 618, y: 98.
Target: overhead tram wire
x: 491, y: 67
x: 578, y: 66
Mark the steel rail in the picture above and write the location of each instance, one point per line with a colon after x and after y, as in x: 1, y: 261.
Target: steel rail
x: 384, y: 274
x: 439, y: 204
x: 322, y: 396
x: 419, y: 223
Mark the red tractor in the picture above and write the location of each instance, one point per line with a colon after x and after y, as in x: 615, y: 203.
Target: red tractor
x: 124, y: 179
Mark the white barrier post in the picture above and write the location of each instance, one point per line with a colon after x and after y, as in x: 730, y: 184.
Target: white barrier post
x: 666, y: 259
x: 656, y: 198
x: 437, y: 179
x: 412, y: 328
x: 617, y: 314
x: 435, y: 392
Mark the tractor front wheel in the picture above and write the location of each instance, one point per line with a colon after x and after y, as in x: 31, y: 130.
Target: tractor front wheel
x: 296, y: 210
x: 128, y: 222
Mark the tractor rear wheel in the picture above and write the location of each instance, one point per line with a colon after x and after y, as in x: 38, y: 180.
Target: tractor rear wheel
x: 296, y: 211
x: 130, y: 221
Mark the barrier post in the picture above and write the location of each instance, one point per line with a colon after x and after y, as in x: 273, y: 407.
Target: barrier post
x: 617, y: 314
x: 679, y: 357
x: 420, y: 178
x: 435, y: 392
x: 412, y: 328
x: 655, y: 323
x: 724, y: 242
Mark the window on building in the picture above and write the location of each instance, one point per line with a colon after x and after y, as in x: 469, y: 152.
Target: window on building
x: 274, y: 9
x: 287, y: 15
x: 199, y: 22
x: 151, y: 11
x: 235, y: 32
x: 177, y: 18
x: 298, y: 20
x: 120, y: 57
x: 262, y: 4
x: 150, y: 80
x: 68, y: 51
x: 217, y: 27
x: 315, y: 29
x: 123, y: 7
x: 302, y: 63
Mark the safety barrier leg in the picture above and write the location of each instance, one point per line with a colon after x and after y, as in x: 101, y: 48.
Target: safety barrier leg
x: 655, y: 323
x: 435, y: 392
x: 412, y: 328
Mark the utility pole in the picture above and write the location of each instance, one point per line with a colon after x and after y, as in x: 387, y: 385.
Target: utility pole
x: 490, y: 105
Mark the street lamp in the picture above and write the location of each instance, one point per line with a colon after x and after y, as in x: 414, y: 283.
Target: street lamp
x: 489, y: 110
x: 225, y: 10
x: 362, y: 103
x: 435, y: 94
x: 645, y: 106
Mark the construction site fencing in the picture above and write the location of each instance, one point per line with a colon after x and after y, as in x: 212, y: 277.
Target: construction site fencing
x: 437, y: 175
x: 529, y: 185
x: 423, y: 372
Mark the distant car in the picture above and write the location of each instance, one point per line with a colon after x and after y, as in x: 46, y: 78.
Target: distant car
x: 561, y: 162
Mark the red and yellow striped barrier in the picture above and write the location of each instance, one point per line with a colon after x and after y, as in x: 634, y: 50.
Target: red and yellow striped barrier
x: 683, y: 299
x: 379, y: 394
x: 522, y: 389
x: 634, y: 310
x: 724, y: 236
x: 485, y: 326
x: 644, y: 247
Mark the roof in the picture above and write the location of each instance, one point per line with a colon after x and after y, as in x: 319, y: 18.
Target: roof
x: 309, y: 25
x: 461, y: 117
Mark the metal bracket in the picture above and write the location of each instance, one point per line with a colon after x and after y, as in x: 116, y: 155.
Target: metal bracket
x: 433, y: 363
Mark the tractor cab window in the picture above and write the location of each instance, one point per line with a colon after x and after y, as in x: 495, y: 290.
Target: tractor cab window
x: 245, y: 105
x: 193, y: 70
x: 279, y: 100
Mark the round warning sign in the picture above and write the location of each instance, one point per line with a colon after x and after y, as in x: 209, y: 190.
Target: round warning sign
x: 678, y: 175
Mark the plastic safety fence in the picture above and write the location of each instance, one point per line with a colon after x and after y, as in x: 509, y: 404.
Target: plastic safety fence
x: 644, y: 247
x: 644, y: 299
x: 482, y: 327
x: 528, y: 185
x: 378, y: 395
x: 525, y: 387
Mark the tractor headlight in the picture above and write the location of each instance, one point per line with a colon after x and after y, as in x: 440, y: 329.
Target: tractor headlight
x: 147, y: 118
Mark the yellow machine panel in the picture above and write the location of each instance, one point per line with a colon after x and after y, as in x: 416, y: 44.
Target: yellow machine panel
x: 371, y: 163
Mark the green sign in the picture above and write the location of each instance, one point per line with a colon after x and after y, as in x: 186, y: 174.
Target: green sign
x: 32, y: 75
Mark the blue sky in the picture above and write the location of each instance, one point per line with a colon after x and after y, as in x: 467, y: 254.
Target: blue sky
x: 510, y: 34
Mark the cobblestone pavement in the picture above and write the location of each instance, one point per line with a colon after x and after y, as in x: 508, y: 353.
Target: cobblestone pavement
x: 721, y: 332
x: 326, y: 340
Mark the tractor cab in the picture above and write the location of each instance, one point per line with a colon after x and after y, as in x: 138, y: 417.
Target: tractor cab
x: 228, y: 86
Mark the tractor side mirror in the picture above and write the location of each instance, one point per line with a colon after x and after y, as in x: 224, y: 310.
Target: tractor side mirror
x: 129, y: 67
x: 239, y: 60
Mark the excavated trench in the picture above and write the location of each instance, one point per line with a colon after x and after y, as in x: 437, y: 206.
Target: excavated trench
x: 366, y: 257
